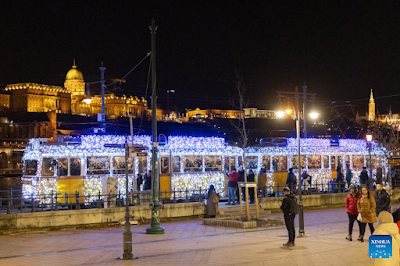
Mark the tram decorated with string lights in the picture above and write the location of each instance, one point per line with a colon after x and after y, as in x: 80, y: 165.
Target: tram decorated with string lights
x: 90, y: 165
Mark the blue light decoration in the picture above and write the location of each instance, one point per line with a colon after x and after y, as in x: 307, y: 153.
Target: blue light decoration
x: 93, y: 145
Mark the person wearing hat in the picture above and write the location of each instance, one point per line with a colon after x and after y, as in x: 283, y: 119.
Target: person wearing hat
x: 351, y: 209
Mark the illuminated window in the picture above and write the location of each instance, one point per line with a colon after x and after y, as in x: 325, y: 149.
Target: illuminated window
x: 30, y: 167
x: 164, y: 165
x: 119, y: 165
x: 48, y: 166
x: 374, y: 162
x: 62, y: 166
x: 333, y: 162
x: 275, y: 163
x: 75, y: 166
x: 314, y: 161
x: 266, y: 164
x: 302, y: 161
x: 142, y: 164
x: 251, y: 162
x: 192, y: 163
x: 325, y: 161
x: 98, y: 165
x: 358, y: 162
x: 213, y: 163
x: 282, y: 163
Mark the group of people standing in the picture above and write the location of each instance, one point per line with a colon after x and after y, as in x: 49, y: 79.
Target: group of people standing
x: 239, y: 176
x: 364, y: 208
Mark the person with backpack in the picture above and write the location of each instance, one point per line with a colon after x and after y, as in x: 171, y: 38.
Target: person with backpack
x: 289, y: 208
x: 291, y: 180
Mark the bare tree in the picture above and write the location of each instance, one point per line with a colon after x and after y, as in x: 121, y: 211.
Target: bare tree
x: 240, y: 123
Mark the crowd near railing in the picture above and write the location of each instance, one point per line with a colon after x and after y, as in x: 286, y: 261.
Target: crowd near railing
x: 12, y: 201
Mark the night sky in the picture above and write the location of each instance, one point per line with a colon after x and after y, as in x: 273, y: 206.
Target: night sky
x: 341, y: 49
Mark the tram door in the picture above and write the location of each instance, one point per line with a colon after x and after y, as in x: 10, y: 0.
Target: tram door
x: 165, y: 175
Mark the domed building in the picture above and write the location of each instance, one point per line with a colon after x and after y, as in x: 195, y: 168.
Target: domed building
x: 70, y: 99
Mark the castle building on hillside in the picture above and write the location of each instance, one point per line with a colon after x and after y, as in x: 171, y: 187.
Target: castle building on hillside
x: 70, y: 99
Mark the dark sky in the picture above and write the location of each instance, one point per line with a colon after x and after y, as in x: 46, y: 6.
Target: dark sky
x: 341, y: 49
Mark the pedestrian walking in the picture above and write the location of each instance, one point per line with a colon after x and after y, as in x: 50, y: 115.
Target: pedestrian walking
x: 291, y: 180
x: 366, y: 208
x: 212, y: 202
x: 306, y: 180
x: 232, y: 184
x: 349, y: 175
x: 382, y: 199
x: 139, y: 181
x: 251, y: 178
x: 289, y: 208
x: 364, y: 176
x: 388, y: 227
x: 262, y: 182
x: 147, y: 181
x: 351, y: 209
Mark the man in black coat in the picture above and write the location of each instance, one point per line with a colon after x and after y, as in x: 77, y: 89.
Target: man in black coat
x: 289, y: 217
x: 382, y: 199
x: 291, y: 180
x: 364, y: 176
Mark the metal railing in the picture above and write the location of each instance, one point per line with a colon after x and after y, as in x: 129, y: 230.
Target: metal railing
x: 11, y: 200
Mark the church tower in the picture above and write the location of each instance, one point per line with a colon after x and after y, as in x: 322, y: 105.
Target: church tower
x: 371, y: 108
x: 74, y: 82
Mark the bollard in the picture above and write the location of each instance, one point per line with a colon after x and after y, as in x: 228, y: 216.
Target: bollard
x: 21, y: 202
x: 11, y: 195
x: 200, y: 194
x: 9, y: 205
x: 52, y: 201
x: 174, y: 196
x: 109, y: 200
x: 66, y: 199
x: 56, y: 198
x: 33, y: 203
x: 186, y: 195
x: 77, y: 205
x: 98, y: 201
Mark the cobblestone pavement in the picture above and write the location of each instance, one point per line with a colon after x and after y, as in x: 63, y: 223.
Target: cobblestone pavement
x: 188, y: 243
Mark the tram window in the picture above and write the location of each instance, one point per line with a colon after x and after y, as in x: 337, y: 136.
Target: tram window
x: 374, y: 164
x: 192, y: 163
x: 358, y: 162
x: 302, y: 161
x: 333, y: 162
x: 275, y: 163
x: 48, y: 166
x: 314, y: 162
x: 233, y: 163
x: 226, y: 164
x: 164, y: 165
x: 266, y: 163
x: 30, y: 167
x: 119, y: 165
x: 176, y: 164
x: 75, y: 166
x: 98, y: 165
x: 347, y: 159
x: 252, y: 162
x: 240, y: 160
x: 283, y: 163
x: 142, y: 164
x: 325, y: 161
x: 62, y: 166
x: 213, y: 163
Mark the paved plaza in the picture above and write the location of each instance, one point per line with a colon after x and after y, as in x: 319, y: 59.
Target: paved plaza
x: 190, y: 242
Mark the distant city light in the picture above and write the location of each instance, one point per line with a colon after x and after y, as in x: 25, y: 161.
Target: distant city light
x: 314, y: 115
x: 280, y: 114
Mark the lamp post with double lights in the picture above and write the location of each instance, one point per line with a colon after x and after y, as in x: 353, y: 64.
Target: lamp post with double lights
x: 297, y: 118
x: 369, y: 138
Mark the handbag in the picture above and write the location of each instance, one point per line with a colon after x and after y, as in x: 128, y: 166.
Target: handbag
x: 359, y: 217
x: 205, y: 201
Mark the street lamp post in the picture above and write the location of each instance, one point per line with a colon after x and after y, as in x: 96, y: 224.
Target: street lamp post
x: 369, y: 146
x: 155, y: 227
x: 301, y: 209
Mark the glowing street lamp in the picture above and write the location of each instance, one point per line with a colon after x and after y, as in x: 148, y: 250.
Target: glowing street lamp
x: 314, y: 115
x: 280, y: 114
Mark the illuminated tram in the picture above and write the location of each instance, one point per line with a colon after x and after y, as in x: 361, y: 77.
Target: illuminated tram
x: 88, y: 166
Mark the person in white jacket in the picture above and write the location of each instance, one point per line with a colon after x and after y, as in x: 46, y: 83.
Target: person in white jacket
x: 388, y: 227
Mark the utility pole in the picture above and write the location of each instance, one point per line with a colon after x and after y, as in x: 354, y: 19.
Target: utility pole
x: 155, y: 227
x: 103, y: 104
x: 301, y: 210
x: 305, y: 109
